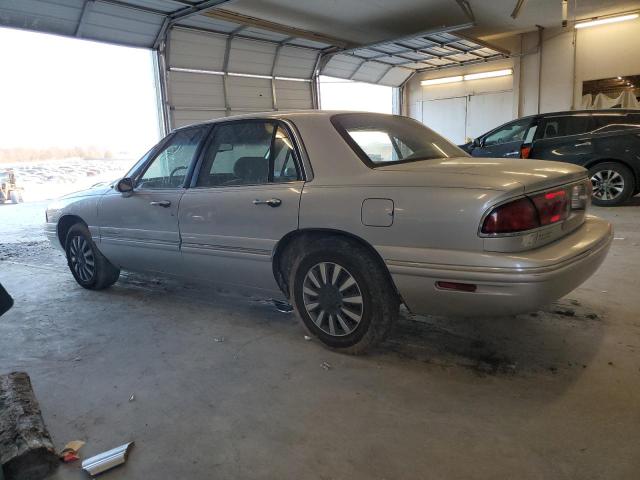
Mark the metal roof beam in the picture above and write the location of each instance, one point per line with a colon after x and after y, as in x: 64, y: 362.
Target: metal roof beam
x: 86, y: 8
x: 413, y: 36
x: 277, y: 27
x: 172, y: 18
x: 130, y: 6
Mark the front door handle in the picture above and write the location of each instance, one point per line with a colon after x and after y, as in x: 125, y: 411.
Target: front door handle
x: 272, y: 202
x: 161, y: 203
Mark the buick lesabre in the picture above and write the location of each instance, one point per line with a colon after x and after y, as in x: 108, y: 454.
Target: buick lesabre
x: 345, y: 215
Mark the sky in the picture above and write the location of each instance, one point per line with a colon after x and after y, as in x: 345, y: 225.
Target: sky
x: 63, y: 92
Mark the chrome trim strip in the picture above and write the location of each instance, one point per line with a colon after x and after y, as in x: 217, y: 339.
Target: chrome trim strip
x: 518, y: 271
x: 226, y: 248
x: 140, y: 243
x: 230, y: 252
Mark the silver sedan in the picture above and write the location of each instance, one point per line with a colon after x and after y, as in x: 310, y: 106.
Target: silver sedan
x: 346, y: 215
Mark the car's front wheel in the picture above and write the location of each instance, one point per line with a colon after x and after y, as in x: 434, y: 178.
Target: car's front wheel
x: 343, y: 295
x: 612, y: 183
x: 88, y: 266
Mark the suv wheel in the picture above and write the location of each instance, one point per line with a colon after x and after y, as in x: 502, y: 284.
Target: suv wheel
x: 612, y: 184
x: 88, y: 266
x: 342, y: 295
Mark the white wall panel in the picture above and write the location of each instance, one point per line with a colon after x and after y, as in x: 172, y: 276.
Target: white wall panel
x: 247, y: 56
x: 295, y: 62
x: 250, y: 94
x: 195, y: 90
x: 293, y: 95
x: 200, y: 51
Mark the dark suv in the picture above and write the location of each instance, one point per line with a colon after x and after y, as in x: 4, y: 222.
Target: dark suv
x: 607, y: 142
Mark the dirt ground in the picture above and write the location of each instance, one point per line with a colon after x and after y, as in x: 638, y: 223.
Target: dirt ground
x: 226, y: 386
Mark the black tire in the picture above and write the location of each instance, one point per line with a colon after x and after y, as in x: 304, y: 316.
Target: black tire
x: 101, y: 274
x: 379, y: 301
x: 619, y: 190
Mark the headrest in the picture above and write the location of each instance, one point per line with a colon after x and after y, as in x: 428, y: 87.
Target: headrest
x: 252, y: 169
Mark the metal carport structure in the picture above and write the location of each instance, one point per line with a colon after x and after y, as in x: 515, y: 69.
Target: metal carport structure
x: 213, y: 62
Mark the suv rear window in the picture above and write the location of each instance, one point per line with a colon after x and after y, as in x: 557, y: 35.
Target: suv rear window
x: 384, y: 139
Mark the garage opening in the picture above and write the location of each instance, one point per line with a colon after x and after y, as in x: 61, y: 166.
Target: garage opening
x: 74, y: 112
x: 341, y: 94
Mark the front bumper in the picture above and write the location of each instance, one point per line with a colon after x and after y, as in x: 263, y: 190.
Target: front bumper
x: 51, y: 232
x: 507, y: 284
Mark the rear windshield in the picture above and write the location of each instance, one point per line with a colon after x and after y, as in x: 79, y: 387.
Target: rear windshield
x: 384, y: 139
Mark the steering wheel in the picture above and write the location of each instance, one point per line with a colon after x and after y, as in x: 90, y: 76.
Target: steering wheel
x: 173, y: 172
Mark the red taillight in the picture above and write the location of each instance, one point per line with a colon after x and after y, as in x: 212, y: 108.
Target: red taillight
x: 552, y: 206
x: 512, y: 217
x: 525, y: 151
x: 529, y: 212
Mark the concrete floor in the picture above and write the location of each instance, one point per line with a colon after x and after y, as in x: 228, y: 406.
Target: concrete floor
x: 550, y: 395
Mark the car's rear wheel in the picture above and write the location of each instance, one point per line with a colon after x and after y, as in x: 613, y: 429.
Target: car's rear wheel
x: 88, y: 266
x: 343, y: 295
x: 612, y: 183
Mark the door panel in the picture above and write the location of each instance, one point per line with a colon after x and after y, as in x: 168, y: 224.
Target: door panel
x: 138, y: 235
x: 446, y: 117
x: 226, y: 238
x: 139, y: 229
x: 246, y: 198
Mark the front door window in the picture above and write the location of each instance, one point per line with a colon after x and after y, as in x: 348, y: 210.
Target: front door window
x: 169, y: 168
x: 512, y: 132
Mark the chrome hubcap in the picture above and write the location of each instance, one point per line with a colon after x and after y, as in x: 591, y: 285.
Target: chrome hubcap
x: 82, y: 260
x: 332, y: 298
x: 607, y: 184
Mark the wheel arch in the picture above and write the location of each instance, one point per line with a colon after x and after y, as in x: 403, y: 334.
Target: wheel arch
x: 283, y: 255
x: 64, y: 224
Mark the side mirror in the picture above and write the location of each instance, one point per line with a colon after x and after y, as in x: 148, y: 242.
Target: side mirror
x: 476, y: 142
x: 125, y: 185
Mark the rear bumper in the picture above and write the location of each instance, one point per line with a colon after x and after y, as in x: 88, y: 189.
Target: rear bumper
x: 514, y: 283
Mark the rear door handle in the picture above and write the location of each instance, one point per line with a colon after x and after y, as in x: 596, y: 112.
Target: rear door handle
x: 161, y: 203
x: 272, y: 202
x: 583, y: 144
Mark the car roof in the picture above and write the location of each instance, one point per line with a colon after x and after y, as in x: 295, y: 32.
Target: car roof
x: 282, y: 114
x: 608, y: 111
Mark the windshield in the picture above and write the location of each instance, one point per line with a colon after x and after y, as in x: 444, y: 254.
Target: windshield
x: 384, y: 139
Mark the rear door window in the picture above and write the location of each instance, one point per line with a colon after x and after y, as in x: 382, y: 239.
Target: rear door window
x: 248, y: 153
x: 567, y: 125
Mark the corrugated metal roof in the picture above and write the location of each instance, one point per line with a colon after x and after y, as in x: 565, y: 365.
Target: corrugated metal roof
x: 142, y: 23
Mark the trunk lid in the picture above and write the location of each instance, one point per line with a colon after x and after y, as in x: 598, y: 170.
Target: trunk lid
x: 494, y: 173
